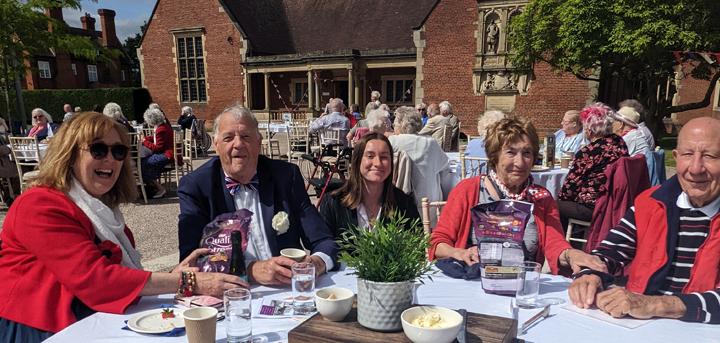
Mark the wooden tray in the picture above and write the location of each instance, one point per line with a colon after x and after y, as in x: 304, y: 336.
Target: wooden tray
x: 480, y: 329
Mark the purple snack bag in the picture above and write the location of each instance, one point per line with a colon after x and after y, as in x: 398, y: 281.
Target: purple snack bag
x: 499, y: 228
x: 216, y: 237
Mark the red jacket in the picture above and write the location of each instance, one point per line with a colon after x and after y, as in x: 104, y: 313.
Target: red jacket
x: 655, y: 238
x: 165, y: 142
x: 49, y: 257
x: 453, y: 227
x: 626, y: 178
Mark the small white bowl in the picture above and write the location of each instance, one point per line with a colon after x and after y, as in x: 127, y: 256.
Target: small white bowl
x: 296, y: 255
x: 334, y: 310
x: 431, y: 335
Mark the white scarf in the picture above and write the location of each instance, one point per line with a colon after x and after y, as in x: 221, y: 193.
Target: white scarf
x: 109, y: 223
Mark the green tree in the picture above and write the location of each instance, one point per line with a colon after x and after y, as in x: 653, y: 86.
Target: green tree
x: 628, y: 39
x: 26, y: 29
x: 131, y: 44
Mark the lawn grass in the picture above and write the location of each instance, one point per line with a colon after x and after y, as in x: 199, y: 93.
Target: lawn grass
x: 668, y: 144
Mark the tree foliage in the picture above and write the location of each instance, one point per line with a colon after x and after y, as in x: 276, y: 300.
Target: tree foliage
x: 628, y: 39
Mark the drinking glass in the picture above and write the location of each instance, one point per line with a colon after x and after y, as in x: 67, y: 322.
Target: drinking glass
x: 528, y: 284
x: 303, y: 287
x: 238, y: 321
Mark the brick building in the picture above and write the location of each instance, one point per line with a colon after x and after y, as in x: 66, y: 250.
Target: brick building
x: 61, y: 70
x: 277, y: 55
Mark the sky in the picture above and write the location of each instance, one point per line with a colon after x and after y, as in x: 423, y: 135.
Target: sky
x: 129, y: 15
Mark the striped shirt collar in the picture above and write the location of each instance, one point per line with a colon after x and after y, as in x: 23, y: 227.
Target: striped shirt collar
x: 709, y: 210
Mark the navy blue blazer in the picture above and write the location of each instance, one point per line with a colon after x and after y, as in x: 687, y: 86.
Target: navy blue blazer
x: 203, y: 196
x: 42, y: 134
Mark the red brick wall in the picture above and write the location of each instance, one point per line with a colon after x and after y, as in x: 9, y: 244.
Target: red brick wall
x: 450, y: 57
x: 222, y: 61
x: 693, y: 90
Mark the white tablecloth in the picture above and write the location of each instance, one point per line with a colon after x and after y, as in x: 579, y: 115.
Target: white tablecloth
x: 273, y: 127
x: 562, y: 326
x: 41, y: 147
x: 551, y: 179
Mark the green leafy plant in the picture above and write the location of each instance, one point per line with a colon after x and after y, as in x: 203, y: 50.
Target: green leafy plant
x: 395, y: 252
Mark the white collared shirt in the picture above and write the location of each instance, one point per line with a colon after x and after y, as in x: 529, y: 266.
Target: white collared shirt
x: 363, y: 220
x: 258, y: 248
x: 709, y: 210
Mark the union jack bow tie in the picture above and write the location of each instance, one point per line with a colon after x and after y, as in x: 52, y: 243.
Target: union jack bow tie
x: 234, y: 185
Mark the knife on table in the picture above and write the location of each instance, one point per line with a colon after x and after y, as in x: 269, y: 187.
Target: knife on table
x: 463, y: 326
x: 541, y: 315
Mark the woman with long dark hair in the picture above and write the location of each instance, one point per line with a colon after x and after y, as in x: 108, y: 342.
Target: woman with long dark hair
x: 369, y: 194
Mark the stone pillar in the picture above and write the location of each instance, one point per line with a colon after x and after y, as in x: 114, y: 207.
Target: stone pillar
x: 311, y: 91
x: 350, y: 88
x: 267, y: 92
x: 317, y: 95
x: 356, y: 80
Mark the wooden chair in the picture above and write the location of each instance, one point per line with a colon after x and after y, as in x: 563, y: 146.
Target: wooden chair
x: 270, y: 146
x: 474, y: 163
x: 425, y: 213
x: 175, y: 168
x: 298, y: 143
x: 188, y: 144
x: 447, y: 138
x: 135, y: 144
x: 571, y: 223
x: 26, y: 153
x: 148, y: 132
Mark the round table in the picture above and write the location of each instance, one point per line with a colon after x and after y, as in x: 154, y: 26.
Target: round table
x: 552, y: 179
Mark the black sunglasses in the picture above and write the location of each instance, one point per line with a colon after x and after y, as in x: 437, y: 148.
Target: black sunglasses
x: 100, y: 150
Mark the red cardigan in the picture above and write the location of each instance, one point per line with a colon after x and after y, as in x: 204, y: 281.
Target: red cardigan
x: 453, y: 227
x: 165, y: 142
x: 49, y: 258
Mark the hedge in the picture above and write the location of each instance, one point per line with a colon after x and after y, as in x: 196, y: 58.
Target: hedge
x: 133, y: 101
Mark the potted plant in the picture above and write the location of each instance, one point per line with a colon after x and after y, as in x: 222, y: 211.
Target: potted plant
x: 387, y: 262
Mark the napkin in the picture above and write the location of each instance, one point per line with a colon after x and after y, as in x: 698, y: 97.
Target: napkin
x: 173, y: 333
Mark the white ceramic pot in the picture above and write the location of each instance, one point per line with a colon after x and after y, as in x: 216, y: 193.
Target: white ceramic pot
x: 380, y: 304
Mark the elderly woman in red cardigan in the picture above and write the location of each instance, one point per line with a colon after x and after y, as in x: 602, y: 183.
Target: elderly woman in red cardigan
x: 162, y: 145
x: 512, y: 147
x: 66, y: 252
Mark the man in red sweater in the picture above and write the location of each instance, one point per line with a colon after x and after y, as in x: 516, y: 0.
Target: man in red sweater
x: 672, y: 236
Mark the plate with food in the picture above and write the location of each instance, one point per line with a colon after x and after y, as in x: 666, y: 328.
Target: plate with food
x: 539, y: 168
x: 159, y: 320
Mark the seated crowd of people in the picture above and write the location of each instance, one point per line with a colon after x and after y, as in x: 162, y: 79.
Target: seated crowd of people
x: 75, y: 256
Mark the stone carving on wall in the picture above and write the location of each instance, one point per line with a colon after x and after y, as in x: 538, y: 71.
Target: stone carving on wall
x: 498, y: 81
x: 493, y: 36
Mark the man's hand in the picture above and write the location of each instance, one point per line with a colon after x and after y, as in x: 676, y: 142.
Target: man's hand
x: 582, y: 291
x: 318, y: 263
x: 189, y: 264
x: 275, y: 271
x: 579, y: 259
x: 619, y: 302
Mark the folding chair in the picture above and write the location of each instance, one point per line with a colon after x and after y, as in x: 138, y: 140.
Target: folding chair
x: 26, y: 153
x: 297, y: 142
x: 473, y: 167
x: 425, y: 213
x: 188, y: 144
x: 135, y: 144
x: 270, y: 145
x: 175, y: 168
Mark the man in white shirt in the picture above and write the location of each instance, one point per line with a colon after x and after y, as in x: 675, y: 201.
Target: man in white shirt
x: 332, y: 121
x: 239, y: 178
x: 68, y: 112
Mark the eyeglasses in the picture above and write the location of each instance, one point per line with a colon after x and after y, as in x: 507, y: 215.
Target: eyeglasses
x: 100, y: 150
x: 38, y: 117
x: 566, y: 122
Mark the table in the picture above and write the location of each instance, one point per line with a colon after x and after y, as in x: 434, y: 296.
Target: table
x: 42, y: 147
x: 272, y: 128
x: 562, y: 326
x: 552, y: 179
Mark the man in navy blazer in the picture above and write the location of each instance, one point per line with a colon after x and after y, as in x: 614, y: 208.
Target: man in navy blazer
x: 260, y: 185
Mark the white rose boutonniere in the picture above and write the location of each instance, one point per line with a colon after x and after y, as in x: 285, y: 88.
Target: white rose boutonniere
x: 281, y: 222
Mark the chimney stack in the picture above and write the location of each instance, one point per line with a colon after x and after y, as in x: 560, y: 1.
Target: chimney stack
x: 55, y: 13
x: 88, y: 22
x: 107, y: 20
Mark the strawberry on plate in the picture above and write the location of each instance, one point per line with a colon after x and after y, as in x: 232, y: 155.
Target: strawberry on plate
x: 168, y: 313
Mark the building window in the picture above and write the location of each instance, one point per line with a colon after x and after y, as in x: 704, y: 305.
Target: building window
x: 398, y: 89
x: 74, y: 69
x: 44, y: 69
x: 92, y: 73
x: 122, y: 75
x: 298, y: 90
x: 191, y: 69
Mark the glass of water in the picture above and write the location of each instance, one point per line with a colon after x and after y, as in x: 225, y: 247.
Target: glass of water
x: 238, y: 303
x: 303, y: 287
x: 528, y: 284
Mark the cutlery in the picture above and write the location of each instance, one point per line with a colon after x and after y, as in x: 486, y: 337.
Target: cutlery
x: 541, y: 315
x: 463, y: 327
